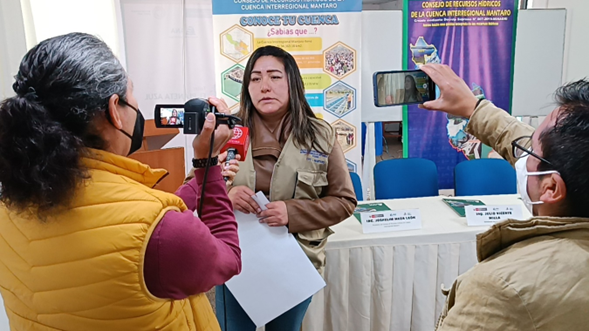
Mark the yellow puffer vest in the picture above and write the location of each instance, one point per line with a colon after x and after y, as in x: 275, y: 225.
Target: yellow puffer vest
x: 83, y: 268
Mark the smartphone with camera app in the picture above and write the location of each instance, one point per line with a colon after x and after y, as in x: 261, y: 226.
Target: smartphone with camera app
x: 402, y: 87
x: 167, y: 116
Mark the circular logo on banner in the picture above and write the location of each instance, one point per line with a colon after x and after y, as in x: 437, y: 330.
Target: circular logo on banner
x: 237, y: 133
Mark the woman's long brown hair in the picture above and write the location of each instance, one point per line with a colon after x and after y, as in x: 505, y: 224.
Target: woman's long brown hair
x: 304, y: 131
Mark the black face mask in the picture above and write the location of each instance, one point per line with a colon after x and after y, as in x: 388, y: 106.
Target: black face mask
x: 137, y: 138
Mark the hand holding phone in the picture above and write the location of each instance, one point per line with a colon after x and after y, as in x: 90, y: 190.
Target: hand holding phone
x: 456, y: 98
x: 402, y: 87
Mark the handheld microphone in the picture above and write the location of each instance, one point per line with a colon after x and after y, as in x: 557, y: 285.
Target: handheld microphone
x: 239, y: 144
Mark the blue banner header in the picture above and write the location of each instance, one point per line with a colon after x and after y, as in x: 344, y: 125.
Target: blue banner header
x: 255, y: 7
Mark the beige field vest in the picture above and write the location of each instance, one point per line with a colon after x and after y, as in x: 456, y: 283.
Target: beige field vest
x: 298, y: 175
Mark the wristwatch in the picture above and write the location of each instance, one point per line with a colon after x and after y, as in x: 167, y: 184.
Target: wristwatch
x: 202, y: 163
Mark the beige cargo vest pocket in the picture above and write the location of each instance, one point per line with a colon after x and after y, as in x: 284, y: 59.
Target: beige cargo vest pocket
x: 310, y: 185
x: 450, y: 296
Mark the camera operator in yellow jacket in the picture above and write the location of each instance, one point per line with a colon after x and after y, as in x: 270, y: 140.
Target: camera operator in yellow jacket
x: 86, y: 242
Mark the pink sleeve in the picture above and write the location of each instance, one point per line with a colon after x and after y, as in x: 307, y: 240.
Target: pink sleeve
x: 187, y: 255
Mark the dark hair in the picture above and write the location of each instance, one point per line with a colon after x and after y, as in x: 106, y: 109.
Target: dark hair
x: 566, y: 145
x: 61, y: 85
x: 304, y: 131
x: 414, y: 91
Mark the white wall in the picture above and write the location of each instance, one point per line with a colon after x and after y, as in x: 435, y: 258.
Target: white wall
x: 393, y: 5
x: 57, y: 17
x: 155, y: 49
x: 383, y: 5
x: 24, y: 23
x: 575, y: 64
x: 12, y: 44
x: 49, y: 18
x: 539, y: 44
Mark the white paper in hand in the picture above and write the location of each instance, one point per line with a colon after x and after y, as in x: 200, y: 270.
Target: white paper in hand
x: 276, y: 274
x: 261, y: 200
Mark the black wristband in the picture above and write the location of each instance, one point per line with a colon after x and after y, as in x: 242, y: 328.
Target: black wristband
x: 478, y: 103
x: 202, y: 163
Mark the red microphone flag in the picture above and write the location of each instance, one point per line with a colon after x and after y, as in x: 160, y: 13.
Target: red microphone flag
x: 240, y: 141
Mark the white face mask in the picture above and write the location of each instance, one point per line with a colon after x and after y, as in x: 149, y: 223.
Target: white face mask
x: 522, y: 174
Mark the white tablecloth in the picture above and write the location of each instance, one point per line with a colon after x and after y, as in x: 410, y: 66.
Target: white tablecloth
x: 392, y: 281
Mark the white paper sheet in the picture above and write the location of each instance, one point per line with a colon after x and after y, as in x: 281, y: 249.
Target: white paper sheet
x: 276, y: 274
x: 261, y: 200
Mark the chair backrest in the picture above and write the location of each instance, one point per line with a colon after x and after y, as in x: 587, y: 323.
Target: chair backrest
x: 405, y: 178
x: 484, y: 177
x: 357, y: 185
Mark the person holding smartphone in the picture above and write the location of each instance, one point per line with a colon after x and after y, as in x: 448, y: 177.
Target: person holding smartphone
x: 532, y: 274
x: 87, y: 243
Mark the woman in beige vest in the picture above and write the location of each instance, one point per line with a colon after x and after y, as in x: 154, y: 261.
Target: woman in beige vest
x: 296, y: 162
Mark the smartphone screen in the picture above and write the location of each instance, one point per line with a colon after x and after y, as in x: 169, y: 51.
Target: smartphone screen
x: 171, y: 116
x: 393, y: 88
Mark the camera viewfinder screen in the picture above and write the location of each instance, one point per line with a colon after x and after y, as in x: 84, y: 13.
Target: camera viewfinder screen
x: 172, y: 116
x: 401, y: 88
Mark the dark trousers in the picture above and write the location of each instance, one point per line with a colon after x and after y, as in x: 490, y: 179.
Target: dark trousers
x: 232, y: 317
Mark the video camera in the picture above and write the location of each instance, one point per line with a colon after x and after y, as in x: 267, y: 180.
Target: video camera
x: 191, y: 116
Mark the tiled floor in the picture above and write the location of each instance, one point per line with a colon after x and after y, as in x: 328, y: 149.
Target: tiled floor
x: 392, y: 149
x: 211, y: 297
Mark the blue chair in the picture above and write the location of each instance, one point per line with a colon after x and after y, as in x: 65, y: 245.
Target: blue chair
x: 405, y: 178
x: 357, y: 185
x: 484, y: 177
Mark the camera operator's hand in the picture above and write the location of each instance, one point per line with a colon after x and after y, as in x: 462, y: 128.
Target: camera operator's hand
x: 202, y: 142
x: 456, y: 98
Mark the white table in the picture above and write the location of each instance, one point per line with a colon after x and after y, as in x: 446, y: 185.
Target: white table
x: 392, y: 281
